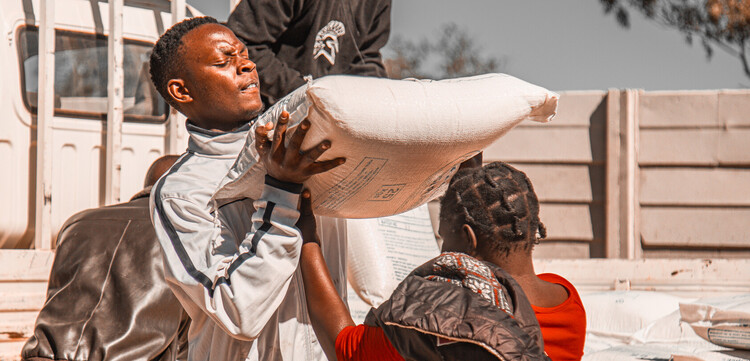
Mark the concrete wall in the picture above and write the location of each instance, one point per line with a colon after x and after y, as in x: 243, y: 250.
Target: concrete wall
x: 634, y: 174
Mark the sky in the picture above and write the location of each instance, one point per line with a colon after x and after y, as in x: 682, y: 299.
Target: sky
x: 563, y: 44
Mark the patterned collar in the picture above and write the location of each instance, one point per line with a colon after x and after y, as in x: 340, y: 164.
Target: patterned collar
x: 468, y: 272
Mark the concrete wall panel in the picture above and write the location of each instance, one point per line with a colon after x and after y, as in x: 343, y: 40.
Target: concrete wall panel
x: 734, y: 108
x: 695, y: 227
x: 548, y: 145
x: 679, y: 109
x: 695, y: 187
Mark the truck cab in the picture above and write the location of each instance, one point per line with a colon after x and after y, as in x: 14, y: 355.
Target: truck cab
x: 75, y: 157
x: 78, y: 126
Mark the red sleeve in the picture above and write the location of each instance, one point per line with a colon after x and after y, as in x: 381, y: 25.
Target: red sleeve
x: 563, y: 326
x: 365, y: 343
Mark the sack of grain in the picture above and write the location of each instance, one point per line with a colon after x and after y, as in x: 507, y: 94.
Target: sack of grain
x: 403, y: 139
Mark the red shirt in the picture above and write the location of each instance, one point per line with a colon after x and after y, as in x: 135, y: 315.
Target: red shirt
x: 364, y: 343
x: 563, y: 326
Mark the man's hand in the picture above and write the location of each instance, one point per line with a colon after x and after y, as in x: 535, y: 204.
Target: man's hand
x: 291, y: 164
x: 306, y: 222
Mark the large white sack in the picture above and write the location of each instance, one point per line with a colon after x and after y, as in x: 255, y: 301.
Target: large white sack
x: 618, y: 315
x: 403, y: 139
x: 668, y: 329
x: 383, y: 251
x: 722, y: 321
x: 684, y: 351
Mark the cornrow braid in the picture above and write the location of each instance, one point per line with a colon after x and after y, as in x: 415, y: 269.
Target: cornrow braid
x: 166, y: 58
x: 499, y: 203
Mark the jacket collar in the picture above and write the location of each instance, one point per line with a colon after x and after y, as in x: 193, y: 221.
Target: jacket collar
x: 214, y: 143
x: 145, y: 192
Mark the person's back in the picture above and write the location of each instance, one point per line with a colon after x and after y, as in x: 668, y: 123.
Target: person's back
x: 107, y: 298
x: 453, y: 307
x: 492, y: 213
x: 291, y: 39
x: 489, y: 220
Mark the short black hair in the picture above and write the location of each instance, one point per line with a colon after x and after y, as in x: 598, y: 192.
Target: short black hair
x: 165, y: 59
x: 499, y: 203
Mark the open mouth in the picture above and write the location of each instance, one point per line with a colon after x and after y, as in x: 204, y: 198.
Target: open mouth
x: 249, y: 86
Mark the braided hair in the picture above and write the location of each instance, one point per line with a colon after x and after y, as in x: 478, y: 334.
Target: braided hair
x: 499, y: 203
x: 166, y: 58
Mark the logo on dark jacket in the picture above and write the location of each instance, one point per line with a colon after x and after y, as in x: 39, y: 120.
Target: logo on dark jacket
x: 327, y: 41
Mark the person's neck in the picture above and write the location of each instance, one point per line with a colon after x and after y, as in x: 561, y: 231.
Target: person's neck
x: 517, y: 263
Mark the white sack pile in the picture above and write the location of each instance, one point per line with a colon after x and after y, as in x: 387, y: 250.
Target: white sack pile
x: 614, y: 317
x: 626, y: 325
x: 403, y: 139
x: 721, y: 321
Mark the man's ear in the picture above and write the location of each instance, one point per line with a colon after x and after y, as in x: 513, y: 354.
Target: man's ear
x: 177, y: 90
x: 471, y: 239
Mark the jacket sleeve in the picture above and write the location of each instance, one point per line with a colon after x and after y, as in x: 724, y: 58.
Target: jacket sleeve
x: 369, y: 61
x: 238, y: 287
x: 260, y: 23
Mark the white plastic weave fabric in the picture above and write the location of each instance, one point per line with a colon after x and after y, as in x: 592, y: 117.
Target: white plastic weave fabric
x: 403, y: 139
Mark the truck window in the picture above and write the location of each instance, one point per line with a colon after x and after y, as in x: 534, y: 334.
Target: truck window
x: 81, y: 76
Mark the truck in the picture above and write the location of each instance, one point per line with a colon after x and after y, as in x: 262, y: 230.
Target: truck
x: 626, y: 178
x: 81, y: 123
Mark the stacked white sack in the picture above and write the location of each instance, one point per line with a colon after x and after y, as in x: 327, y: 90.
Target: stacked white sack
x: 403, y: 139
x: 721, y: 321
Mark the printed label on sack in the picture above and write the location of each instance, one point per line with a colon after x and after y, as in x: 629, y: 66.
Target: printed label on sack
x: 409, y: 240
x: 387, y: 192
x: 357, y: 179
x: 436, y: 182
x: 732, y: 338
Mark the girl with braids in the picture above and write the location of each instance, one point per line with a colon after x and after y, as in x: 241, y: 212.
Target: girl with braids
x: 461, y: 305
x: 492, y: 214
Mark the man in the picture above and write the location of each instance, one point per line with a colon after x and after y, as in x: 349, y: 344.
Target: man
x: 289, y: 39
x: 107, y: 298
x: 234, y: 270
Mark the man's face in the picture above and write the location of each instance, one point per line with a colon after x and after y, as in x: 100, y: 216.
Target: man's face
x: 221, y: 81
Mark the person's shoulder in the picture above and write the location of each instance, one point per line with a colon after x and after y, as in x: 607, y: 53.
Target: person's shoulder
x: 562, y: 281
x: 557, y: 279
x: 192, y: 178
x: 91, y: 220
x: 135, y: 207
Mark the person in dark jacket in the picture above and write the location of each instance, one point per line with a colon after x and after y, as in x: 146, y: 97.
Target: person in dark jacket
x: 492, y: 213
x: 458, y: 306
x: 107, y: 298
x: 290, y: 39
